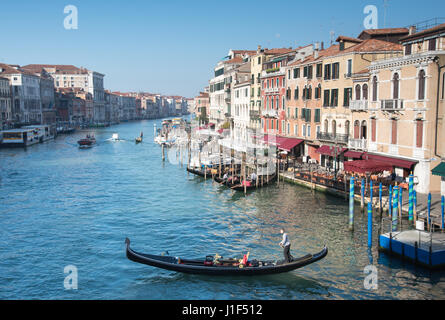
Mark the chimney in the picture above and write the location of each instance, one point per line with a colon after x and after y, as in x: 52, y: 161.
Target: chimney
x: 412, y: 30
x: 322, y: 45
x: 259, y: 49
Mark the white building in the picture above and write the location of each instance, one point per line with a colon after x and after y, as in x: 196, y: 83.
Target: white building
x: 241, y: 109
x: 5, y: 103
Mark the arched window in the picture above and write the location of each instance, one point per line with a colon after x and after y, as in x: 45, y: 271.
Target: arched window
x: 364, y: 130
x: 374, y: 88
x: 356, y: 129
x: 326, y: 125
x: 421, y: 85
x: 334, y: 128
x: 358, y: 93
x: 395, y: 86
x: 365, y: 92
x: 347, y: 125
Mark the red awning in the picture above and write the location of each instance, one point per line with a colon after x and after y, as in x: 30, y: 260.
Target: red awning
x: 353, y: 154
x: 395, y: 162
x: 330, y: 151
x: 286, y: 144
x: 366, y: 166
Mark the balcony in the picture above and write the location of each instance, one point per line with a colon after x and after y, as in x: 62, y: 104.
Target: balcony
x: 358, y: 144
x: 359, y: 105
x: 339, y: 138
x: 269, y: 113
x: 272, y: 90
x: 254, y: 114
x: 391, y: 104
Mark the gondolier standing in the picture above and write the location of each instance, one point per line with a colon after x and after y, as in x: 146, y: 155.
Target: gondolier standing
x: 286, y: 245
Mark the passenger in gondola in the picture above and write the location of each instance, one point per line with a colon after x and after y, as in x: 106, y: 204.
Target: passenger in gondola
x: 226, y: 176
x: 285, y: 244
x: 253, y: 177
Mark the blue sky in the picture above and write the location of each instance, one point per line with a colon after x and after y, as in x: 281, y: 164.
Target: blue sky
x: 171, y: 47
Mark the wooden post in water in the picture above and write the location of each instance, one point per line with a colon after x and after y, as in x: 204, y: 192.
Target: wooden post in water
x: 205, y: 172
x: 163, y: 152
x: 351, y: 204
x: 443, y: 212
x: 244, y: 178
x: 390, y: 200
x: 221, y: 160
x: 401, y: 201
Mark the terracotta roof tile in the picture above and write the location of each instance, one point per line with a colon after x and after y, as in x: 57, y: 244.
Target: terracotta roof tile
x: 439, y: 28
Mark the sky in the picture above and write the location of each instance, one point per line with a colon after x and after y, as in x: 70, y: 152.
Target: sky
x: 171, y: 47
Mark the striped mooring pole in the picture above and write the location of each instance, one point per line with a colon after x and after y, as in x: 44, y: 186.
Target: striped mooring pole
x: 351, y: 204
x: 394, y: 209
x: 411, y: 197
x: 443, y: 212
x: 415, y: 204
x: 390, y: 200
x: 369, y: 224
x: 429, y: 211
x: 362, y: 193
x: 400, y: 200
x: 380, y: 197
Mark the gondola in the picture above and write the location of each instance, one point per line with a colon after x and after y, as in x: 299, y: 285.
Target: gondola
x: 138, y: 140
x: 226, y: 267
x: 200, y: 172
x: 240, y: 187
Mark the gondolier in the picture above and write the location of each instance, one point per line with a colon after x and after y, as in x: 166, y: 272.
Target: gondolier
x: 286, y: 245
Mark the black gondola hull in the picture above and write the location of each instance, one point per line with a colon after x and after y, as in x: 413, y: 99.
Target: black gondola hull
x: 170, y: 263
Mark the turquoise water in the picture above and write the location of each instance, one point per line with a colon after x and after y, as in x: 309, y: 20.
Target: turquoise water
x: 63, y: 206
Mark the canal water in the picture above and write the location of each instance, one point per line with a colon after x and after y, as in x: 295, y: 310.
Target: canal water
x: 61, y: 206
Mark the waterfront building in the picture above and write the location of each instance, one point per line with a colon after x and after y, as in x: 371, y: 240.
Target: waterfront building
x: 202, y: 104
x: 5, y: 104
x: 406, y: 107
x: 241, y: 108
x: 64, y: 105
x: 220, y: 84
x: 339, y: 63
x: 26, y: 105
x: 69, y: 76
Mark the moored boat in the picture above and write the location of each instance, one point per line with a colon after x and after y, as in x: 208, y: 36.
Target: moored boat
x: 87, y: 142
x: 218, y: 266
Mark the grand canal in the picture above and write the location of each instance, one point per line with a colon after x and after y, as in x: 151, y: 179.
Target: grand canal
x: 63, y: 206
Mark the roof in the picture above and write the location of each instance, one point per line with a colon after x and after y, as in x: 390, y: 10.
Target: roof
x: 436, y: 29
x: 396, y: 162
x: 8, y: 69
x: 439, y: 170
x: 278, y: 50
x: 349, y: 39
x: 384, y: 31
x: 59, y: 68
x: 237, y: 59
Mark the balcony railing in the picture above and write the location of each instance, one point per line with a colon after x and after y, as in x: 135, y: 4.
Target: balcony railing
x: 359, y: 105
x: 254, y: 114
x: 391, y: 104
x: 272, y: 90
x: 269, y: 113
x: 340, y: 138
x: 358, y: 144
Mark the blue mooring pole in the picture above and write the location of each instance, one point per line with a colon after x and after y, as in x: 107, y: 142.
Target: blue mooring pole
x: 380, y: 197
x: 390, y: 200
x: 394, y: 210
x: 371, y: 189
x: 429, y: 211
x: 411, y: 197
x: 370, y: 224
x: 401, y: 200
x: 443, y: 212
x: 351, y: 204
x: 362, y: 193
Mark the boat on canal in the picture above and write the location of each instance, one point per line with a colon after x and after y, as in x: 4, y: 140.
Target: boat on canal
x: 218, y: 266
x: 87, y: 142
x: 251, y: 185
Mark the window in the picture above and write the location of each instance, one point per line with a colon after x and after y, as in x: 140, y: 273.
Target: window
x: 336, y: 70
x: 395, y: 86
x: 347, y: 97
x: 408, y: 49
x: 259, y: 60
x: 334, y: 98
x: 365, y: 92
x: 421, y: 85
x: 296, y: 113
x: 326, y: 98
x: 296, y: 130
x: 309, y: 72
x: 374, y: 88
x: 282, y: 104
x: 349, y: 70
x: 288, y: 74
x: 327, y: 72
x: 419, y: 133
x: 432, y: 45
x: 317, y: 116
x: 308, y: 130
x: 278, y: 82
x: 319, y: 70
x: 296, y: 73
x: 358, y: 92
x: 318, y: 92
x: 305, y: 72
x: 373, y: 129
x: 296, y: 93
x: 394, y: 132
x: 304, y: 130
